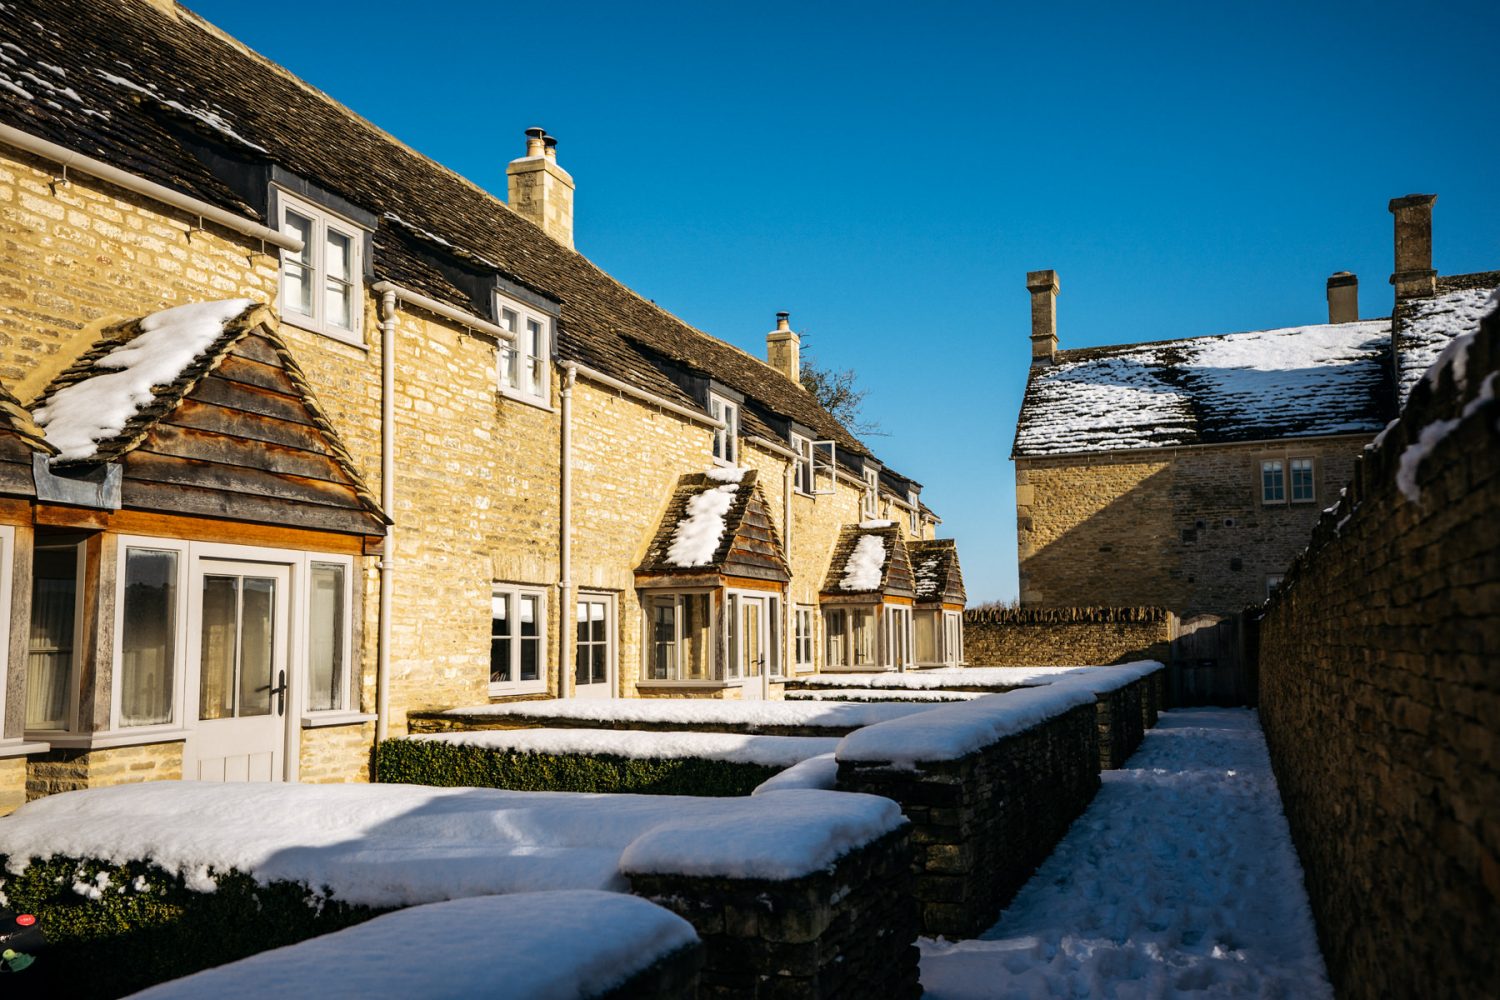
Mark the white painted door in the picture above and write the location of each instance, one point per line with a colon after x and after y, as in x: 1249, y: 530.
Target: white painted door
x: 238, y: 641
x: 594, y: 647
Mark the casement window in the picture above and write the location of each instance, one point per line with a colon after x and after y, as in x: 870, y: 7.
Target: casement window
x: 914, y: 516
x: 802, y: 471
x: 517, y: 617
x: 953, y: 637
x: 149, y: 641
x: 328, y: 637
x: 321, y: 285
x: 726, y: 438
x: 1272, y: 481
x: 926, y: 625
x: 849, y: 635
x: 680, y: 643
x: 898, y: 637
x: 1302, y: 480
x: 752, y: 635
x: 594, y: 645
x: 802, y: 637
x: 825, y: 455
x: 56, y: 590
x: 870, y: 507
x: 524, y: 367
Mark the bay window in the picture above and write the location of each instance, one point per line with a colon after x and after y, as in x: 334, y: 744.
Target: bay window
x: 850, y: 637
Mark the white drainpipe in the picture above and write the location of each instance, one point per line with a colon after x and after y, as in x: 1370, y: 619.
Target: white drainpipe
x: 387, y: 504
x: 565, y: 517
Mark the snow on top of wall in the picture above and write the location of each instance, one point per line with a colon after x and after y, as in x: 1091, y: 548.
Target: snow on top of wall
x: 401, y: 845
x: 769, y: 751
x: 1002, y: 678
x: 862, y: 569
x: 1431, y: 326
x: 793, y: 832
x: 879, y: 694
x: 697, y: 536
x: 459, y: 949
x: 821, y: 771
x: 1242, y: 386
x: 80, y: 416
x: 694, y: 710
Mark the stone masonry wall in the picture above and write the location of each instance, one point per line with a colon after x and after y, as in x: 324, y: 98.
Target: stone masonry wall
x: 981, y: 824
x: 1380, y: 699
x: 63, y: 770
x: 12, y: 784
x: 846, y: 933
x: 1182, y: 529
x: 1040, y: 637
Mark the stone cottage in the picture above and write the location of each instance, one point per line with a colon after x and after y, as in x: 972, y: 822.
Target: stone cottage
x: 413, y: 450
x: 1187, y: 474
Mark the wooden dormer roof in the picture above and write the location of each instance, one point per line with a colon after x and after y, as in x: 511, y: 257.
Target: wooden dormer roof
x: 749, y: 546
x: 238, y: 435
x: 935, y: 570
x: 895, y: 578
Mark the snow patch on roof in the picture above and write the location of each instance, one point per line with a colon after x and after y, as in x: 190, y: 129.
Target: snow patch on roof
x: 862, y: 570
x: 213, y: 119
x: 698, y: 534
x: 1430, y: 330
x: 78, y: 417
x: 726, y: 474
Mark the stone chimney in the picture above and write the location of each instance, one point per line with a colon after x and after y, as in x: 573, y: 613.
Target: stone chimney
x: 784, y: 349
x: 540, y: 191
x: 1414, y: 276
x: 1043, y: 287
x: 1343, y: 297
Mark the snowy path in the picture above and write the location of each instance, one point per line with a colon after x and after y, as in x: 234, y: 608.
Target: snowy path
x: 1179, y: 881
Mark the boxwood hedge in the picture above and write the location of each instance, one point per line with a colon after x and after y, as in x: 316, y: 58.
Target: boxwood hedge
x: 432, y: 762
x: 113, y: 929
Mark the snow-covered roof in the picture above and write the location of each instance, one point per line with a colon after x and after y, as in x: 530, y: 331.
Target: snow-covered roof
x: 1425, y: 326
x: 1294, y: 382
x: 459, y: 949
x: 869, y: 558
x: 935, y: 570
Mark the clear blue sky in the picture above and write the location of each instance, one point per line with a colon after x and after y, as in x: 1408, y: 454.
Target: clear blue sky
x: 889, y: 172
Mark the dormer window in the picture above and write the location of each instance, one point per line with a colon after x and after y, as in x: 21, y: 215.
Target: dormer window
x: 321, y: 284
x: 915, y: 514
x: 871, y: 504
x: 726, y: 438
x: 523, y: 368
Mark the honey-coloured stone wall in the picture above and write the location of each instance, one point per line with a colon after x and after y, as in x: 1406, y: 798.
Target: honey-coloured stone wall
x: 1055, y: 637
x: 65, y: 770
x: 1380, y: 699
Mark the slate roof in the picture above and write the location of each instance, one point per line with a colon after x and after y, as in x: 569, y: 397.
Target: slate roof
x: 935, y: 570
x: 1425, y: 326
x: 164, y: 96
x: 1263, y: 385
x: 895, y: 571
x: 258, y: 321
x: 749, y: 545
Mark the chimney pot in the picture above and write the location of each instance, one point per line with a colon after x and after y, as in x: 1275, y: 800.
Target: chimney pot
x: 1343, y: 297
x: 1044, y: 287
x: 1414, y: 276
x: 784, y: 349
x: 534, y: 140
x: 549, y: 146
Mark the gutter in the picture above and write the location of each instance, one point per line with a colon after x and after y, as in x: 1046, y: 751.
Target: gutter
x: 646, y: 397
x: 444, y: 310
x: 70, y: 159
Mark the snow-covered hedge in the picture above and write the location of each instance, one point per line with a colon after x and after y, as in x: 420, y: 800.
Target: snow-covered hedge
x: 589, y: 760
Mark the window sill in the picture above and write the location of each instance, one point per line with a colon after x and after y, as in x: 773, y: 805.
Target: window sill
x: 511, y: 690
x: 535, y: 402
x: 22, y: 747
x: 354, y: 339
x: 319, y: 720
x: 111, y: 739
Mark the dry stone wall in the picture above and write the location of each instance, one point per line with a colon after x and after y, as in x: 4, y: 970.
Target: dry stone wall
x: 1380, y: 698
x: 1043, y: 637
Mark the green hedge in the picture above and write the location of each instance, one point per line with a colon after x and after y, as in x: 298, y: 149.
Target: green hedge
x: 432, y: 762
x: 147, y: 926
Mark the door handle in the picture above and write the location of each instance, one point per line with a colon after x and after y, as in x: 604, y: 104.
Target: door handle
x: 280, y: 692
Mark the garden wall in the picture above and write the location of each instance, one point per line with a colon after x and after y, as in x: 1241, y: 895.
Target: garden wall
x: 1380, y: 699
x: 1044, y: 637
x: 982, y: 820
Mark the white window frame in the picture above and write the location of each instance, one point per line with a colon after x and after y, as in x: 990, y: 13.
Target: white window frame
x: 70, y: 722
x: 804, y: 476
x: 611, y: 637
x: 350, y: 703
x: 717, y: 656
x: 726, y: 441
x: 515, y: 591
x: 846, y: 637
x: 322, y: 221
x: 180, y: 641
x: 914, y: 515
x: 809, y: 614
x: 1291, y: 479
x: 870, y: 500
x: 1265, y: 466
x: 831, y: 467
x: 7, y: 578
x: 955, y: 655
x: 514, y: 315
x: 897, y: 633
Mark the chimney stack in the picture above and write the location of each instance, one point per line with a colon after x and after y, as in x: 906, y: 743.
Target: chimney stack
x: 1414, y: 276
x: 784, y: 349
x: 1343, y: 297
x: 540, y: 191
x: 1043, y: 287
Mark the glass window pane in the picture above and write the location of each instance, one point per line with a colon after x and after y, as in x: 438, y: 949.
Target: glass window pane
x: 297, y: 268
x: 696, y: 656
x: 338, y: 260
x: 325, y: 667
x: 732, y: 636
x: 599, y: 653
x: 338, y: 304
x: 864, y: 638
x: 773, y: 639
x: 257, y: 642
x: 220, y: 644
x: 500, y: 639
x: 49, y: 669
x: 148, y: 637
x: 833, y: 630
x: 926, y: 626
x: 531, y: 643
x: 664, y: 639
